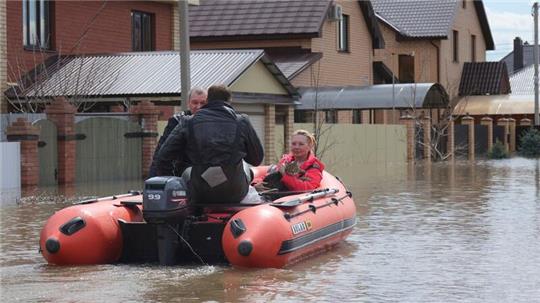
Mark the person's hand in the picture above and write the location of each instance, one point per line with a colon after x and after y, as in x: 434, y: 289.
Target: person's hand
x: 261, y: 186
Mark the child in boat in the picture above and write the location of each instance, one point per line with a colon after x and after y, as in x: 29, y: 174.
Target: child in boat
x: 300, y: 169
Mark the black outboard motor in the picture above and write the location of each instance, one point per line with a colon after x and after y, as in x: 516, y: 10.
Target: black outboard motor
x: 165, y: 200
x: 165, y: 204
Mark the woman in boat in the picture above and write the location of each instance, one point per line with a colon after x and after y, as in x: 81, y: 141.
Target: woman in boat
x: 300, y: 169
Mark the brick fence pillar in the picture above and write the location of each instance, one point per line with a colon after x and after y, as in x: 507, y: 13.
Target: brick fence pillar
x: 270, y: 133
x: 512, y: 130
x: 525, y: 122
x: 487, y: 121
x: 62, y: 114
x: 147, y: 113
x: 28, y: 135
x: 289, y: 128
x: 426, y: 125
x: 409, y: 123
x: 468, y: 120
x: 450, y: 144
x: 504, y: 122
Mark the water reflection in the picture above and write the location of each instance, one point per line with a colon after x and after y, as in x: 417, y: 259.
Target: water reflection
x: 426, y: 233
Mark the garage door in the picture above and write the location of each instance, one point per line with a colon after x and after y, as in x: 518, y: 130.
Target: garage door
x: 258, y: 124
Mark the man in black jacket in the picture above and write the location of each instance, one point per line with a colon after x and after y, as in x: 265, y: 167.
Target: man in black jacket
x: 196, y: 100
x: 216, y: 141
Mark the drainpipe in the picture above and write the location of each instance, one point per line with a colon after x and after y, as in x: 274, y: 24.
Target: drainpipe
x: 438, y: 61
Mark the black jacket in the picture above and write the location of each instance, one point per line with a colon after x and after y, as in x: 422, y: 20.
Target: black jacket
x: 176, y: 167
x: 215, y: 137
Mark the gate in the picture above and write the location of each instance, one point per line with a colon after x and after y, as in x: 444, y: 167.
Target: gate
x: 498, y: 134
x: 419, y: 142
x: 108, y: 149
x: 47, y: 152
x: 481, y: 139
x: 461, y: 140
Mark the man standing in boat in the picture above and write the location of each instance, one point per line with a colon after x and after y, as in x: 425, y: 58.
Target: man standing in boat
x: 196, y: 99
x: 216, y: 141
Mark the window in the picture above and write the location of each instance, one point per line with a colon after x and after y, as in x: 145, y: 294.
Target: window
x: 142, y: 31
x: 464, y: 4
x: 473, y: 48
x: 455, y: 46
x: 303, y: 116
x: 343, y: 34
x: 406, y: 69
x: 36, y: 24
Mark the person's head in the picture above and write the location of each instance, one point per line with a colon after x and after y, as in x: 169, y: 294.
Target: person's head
x: 196, y: 99
x: 219, y: 93
x: 302, y: 142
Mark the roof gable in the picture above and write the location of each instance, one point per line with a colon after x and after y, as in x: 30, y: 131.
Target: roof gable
x: 484, y: 78
x: 225, y: 19
x: 427, y: 19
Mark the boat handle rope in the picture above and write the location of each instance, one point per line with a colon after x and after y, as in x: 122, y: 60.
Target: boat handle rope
x: 114, y: 197
x: 188, y: 245
x: 313, y: 208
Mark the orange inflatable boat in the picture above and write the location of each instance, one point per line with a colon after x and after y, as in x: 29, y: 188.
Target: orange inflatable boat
x: 159, y: 225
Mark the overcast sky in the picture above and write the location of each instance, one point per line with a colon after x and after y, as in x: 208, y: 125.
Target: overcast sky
x: 507, y: 20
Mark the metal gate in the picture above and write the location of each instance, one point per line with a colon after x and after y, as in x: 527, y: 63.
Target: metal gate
x: 419, y: 142
x: 108, y: 149
x: 47, y: 152
x: 481, y: 139
x: 498, y: 134
x: 461, y: 140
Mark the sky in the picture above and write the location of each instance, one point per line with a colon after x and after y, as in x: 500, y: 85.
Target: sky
x: 508, y: 19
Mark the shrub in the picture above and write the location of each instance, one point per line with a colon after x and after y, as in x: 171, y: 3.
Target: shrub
x: 530, y: 143
x: 497, y: 151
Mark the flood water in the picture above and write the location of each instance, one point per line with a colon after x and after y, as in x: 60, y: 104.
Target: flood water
x: 468, y: 232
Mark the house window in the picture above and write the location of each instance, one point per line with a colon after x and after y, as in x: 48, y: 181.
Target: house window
x: 455, y: 46
x: 406, y: 69
x: 36, y: 24
x: 473, y: 48
x: 142, y: 31
x: 343, y: 34
x: 303, y: 116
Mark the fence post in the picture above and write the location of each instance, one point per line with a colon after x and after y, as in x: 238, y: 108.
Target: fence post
x: 62, y: 114
x: 148, y: 113
x: 525, y: 122
x: 27, y: 134
x: 504, y: 122
x: 426, y: 124
x: 468, y: 120
x: 512, y: 129
x: 450, y: 144
x: 409, y: 123
x: 487, y: 121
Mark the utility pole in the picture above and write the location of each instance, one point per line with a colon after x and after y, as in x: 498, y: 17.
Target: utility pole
x: 185, y: 78
x: 535, y: 54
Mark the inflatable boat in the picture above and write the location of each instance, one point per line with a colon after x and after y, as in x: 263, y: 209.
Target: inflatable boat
x: 160, y: 225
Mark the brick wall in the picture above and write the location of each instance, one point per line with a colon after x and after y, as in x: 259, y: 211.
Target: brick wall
x: 341, y: 68
x: 467, y: 24
x: 425, y: 55
x: 110, y: 30
x: 3, y: 56
x: 344, y: 116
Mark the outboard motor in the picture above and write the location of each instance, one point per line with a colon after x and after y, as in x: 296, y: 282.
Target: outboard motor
x: 165, y: 204
x: 165, y: 200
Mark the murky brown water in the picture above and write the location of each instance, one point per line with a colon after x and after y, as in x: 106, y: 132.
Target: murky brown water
x: 431, y: 233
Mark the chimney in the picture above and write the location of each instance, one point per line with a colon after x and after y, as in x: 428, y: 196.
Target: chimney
x: 518, y: 54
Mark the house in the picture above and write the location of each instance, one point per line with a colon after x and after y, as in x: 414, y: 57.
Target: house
x: 430, y: 41
x: 41, y: 40
x: 316, y: 43
x: 520, y: 57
